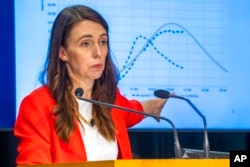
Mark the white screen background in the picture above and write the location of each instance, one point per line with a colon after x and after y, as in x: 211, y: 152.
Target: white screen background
x: 197, y: 49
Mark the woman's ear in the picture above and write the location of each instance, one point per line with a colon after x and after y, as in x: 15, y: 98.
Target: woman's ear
x: 62, y: 54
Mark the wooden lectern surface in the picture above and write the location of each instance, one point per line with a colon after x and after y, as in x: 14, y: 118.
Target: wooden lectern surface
x: 143, y: 163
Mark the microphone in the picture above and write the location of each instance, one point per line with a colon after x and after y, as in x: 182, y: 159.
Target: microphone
x: 177, y: 148
x: 165, y: 94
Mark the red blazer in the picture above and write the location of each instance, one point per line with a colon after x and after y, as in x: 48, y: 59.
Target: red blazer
x: 39, y: 143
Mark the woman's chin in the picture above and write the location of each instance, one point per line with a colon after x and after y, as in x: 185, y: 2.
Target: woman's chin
x: 97, y: 76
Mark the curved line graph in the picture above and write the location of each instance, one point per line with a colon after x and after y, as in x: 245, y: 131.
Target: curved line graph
x: 128, y: 63
x: 199, y: 44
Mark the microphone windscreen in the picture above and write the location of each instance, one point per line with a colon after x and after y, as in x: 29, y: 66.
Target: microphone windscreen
x: 79, y: 92
x: 162, y: 94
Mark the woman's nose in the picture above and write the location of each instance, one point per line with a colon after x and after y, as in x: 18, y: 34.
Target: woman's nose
x: 97, y: 51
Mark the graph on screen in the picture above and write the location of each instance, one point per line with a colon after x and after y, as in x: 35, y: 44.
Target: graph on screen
x: 180, y: 46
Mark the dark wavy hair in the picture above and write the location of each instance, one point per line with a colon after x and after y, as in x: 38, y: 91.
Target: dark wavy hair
x: 55, y: 77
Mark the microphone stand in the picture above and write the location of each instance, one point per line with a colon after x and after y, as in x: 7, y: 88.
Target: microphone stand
x: 206, y: 145
x: 177, y: 147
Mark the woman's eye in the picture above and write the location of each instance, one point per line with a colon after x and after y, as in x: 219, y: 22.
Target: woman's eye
x: 85, y: 44
x: 103, y: 42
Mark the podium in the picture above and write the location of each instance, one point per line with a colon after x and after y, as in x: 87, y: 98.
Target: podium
x: 143, y: 163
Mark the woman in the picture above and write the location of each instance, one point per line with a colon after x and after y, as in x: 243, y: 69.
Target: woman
x: 53, y: 125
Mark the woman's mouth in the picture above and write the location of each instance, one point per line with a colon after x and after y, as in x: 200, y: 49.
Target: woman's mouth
x: 97, y: 66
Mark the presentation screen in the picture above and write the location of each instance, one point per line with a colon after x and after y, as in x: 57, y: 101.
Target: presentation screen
x: 199, y: 50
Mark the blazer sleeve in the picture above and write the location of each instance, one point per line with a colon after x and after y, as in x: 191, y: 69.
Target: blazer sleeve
x: 131, y: 119
x: 32, y: 128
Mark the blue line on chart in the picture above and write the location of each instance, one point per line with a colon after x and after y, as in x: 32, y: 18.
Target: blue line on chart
x: 48, y: 5
x: 127, y: 66
x: 42, y: 5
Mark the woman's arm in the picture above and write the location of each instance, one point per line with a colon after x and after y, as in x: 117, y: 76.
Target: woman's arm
x: 153, y: 106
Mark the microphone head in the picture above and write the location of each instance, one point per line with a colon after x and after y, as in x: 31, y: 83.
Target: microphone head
x: 79, y: 92
x: 162, y: 94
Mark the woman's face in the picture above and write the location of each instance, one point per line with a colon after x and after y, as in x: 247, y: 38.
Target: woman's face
x: 86, y: 51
